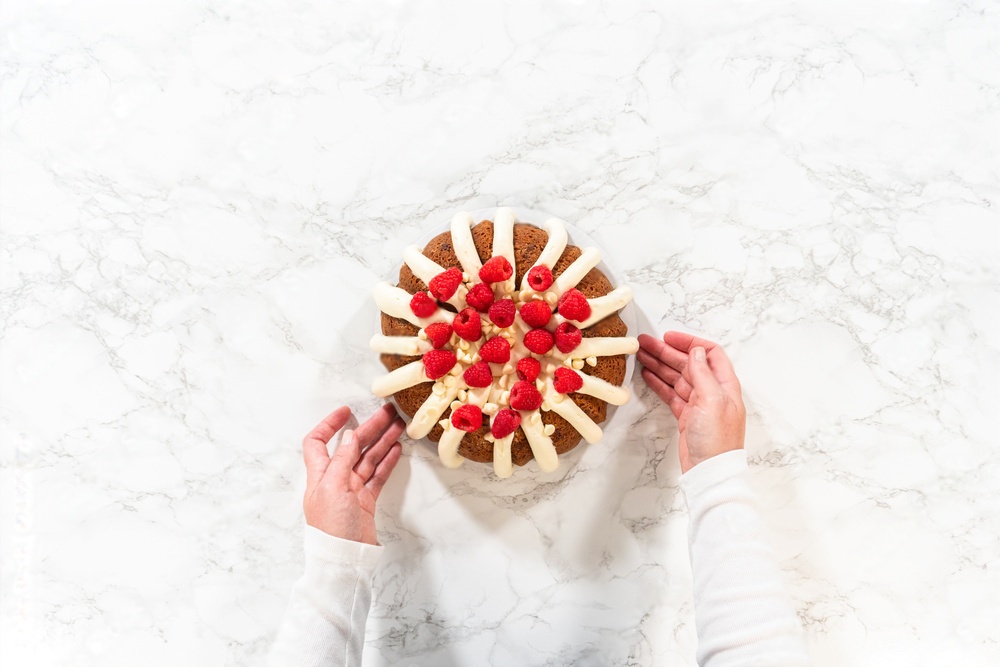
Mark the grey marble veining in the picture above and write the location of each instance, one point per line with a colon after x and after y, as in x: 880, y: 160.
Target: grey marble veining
x: 198, y: 197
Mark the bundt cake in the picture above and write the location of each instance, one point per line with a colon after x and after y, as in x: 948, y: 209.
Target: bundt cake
x: 503, y: 342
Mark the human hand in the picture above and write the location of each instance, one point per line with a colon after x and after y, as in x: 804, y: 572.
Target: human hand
x: 696, y: 379
x: 341, y: 490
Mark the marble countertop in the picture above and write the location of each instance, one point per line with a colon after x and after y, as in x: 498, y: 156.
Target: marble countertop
x: 197, y: 199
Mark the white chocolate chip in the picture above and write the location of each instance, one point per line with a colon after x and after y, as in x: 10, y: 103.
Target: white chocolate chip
x: 550, y: 368
x: 456, y: 370
x: 591, y: 361
x: 449, y: 381
x: 567, y: 362
x: 578, y: 364
x: 489, y: 437
x: 539, y: 385
x: 551, y: 298
x: 507, y: 369
x: 465, y: 277
x: 556, y: 398
x: 445, y: 424
x: 505, y: 397
x: 463, y: 395
x: 438, y: 388
x: 491, y: 408
x: 455, y: 405
x: 546, y: 406
x: 549, y: 429
x: 535, y: 418
x: 463, y: 344
x: 422, y: 335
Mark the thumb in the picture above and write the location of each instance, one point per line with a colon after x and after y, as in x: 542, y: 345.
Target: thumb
x: 702, y: 377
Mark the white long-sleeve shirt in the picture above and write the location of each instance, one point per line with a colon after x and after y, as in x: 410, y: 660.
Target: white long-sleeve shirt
x: 743, y: 615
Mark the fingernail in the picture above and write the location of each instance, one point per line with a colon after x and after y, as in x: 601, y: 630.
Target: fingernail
x: 348, y: 436
x: 699, y: 353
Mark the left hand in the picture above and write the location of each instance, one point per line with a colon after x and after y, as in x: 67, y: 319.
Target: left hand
x: 341, y: 490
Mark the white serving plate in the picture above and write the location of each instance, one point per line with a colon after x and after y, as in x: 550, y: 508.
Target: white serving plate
x: 576, y: 236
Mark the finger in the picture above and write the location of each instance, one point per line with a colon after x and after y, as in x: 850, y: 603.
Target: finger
x: 371, y: 456
x: 314, y: 451
x: 378, y: 422
x: 664, y: 372
x: 345, y: 457
x: 384, y: 469
x: 685, y: 341
x: 684, y: 388
x: 718, y: 360
x: 665, y: 353
x: 720, y: 364
x: 702, y: 376
x: 665, y: 392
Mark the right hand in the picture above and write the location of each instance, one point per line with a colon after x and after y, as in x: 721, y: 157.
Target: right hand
x: 695, y: 378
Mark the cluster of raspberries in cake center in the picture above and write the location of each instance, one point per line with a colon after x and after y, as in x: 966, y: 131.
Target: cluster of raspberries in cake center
x: 503, y: 339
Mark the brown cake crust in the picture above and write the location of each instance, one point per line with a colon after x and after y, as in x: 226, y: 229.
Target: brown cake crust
x: 529, y: 241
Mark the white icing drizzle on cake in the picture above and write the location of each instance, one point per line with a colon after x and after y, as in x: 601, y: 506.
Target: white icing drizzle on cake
x: 394, y: 301
x: 452, y: 390
x: 465, y: 247
x: 408, y: 346
x: 425, y: 268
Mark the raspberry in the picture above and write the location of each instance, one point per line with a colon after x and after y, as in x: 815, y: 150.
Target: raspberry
x: 502, y: 313
x: 524, y: 396
x: 422, y: 305
x: 528, y: 369
x: 478, y: 375
x: 505, y: 423
x: 467, y: 418
x: 438, y: 334
x: 567, y: 380
x: 538, y: 341
x: 467, y: 325
x: 480, y: 297
x: 437, y: 363
x: 536, y: 313
x: 573, y: 305
x: 539, y: 278
x: 444, y: 285
x: 567, y: 337
x: 496, y: 350
x: 496, y: 270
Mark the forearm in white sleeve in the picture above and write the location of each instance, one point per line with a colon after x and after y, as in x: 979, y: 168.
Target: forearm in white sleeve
x: 743, y: 614
x: 324, y: 624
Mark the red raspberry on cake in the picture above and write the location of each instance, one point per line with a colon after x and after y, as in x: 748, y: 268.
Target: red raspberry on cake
x: 444, y: 285
x: 573, y: 305
x: 528, y: 369
x: 438, y: 334
x: 496, y: 270
x: 478, y: 375
x: 496, y: 351
x: 467, y: 325
x: 524, y: 396
x: 422, y: 305
x: 437, y: 363
x: 505, y: 422
x: 539, y: 278
x: 539, y: 341
x: 480, y: 297
x: 502, y: 313
x: 568, y: 337
x: 536, y: 313
x: 467, y: 418
x: 567, y: 380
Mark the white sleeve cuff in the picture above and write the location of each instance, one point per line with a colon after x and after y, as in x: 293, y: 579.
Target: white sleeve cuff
x: 324, y: 549
x: 713, y: 471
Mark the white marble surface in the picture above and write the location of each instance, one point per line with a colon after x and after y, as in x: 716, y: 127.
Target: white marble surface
x: 197, y: 198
